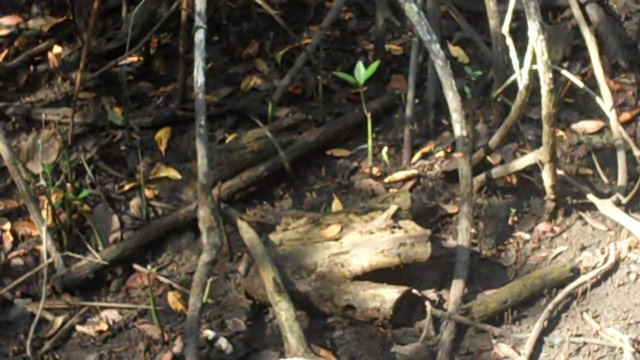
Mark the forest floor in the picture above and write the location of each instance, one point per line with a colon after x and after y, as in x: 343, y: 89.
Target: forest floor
x: 121, y: 146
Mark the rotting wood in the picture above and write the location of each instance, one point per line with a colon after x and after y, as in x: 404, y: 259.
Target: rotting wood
x: 320, y: 271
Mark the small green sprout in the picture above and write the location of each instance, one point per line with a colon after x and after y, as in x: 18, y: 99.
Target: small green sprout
x: 359, y: 78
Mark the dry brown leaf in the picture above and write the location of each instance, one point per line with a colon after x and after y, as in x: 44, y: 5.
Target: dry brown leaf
x: 323, y: 353
x: 251, y: 49
x: 150, y: 330
x: 161, y: 170
x: 128, y: 186
x: 25, y: 229
x: 338, y: 152
x: 398, y: 82
x: 401, y: 175
x: 450, y: 209
x: 9, y: 24
x: 588, y: 126
x: 331, y: 231
x: 458, y: 53
x: 262, y: 66
x: 336, y: 204
x: 394, y: 49
x: 427, y: 149
x: 627, y: 116
x: 8, y: 204
x: 250, y: 81
x: 151, y: 191
x: 162, y: 139
x: 230, y: 138
x: 174, y: 298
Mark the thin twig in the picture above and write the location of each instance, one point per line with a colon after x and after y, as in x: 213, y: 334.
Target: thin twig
x: 605, y: 92
x: 562, y: 295
x: 95, y: 11
x: 302, y: 59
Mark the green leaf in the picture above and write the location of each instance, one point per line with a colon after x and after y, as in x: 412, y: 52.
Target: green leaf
x: 83, y: 194
x: 47, y: 168
x: 346, y: 77
x: 279, y: 55
x: 115, y: 118
x: 359, y: 73
x: 371, y: 70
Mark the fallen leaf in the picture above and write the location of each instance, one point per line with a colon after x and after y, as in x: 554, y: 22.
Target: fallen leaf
x: 106, y: 223
x: 588, y: 126
x: 230, y: 138
x: 372, y: 170
x: 250, y: 81
x: 161, y: 170
x: 251, y: 49
x: 627, y: 116
x: 398, y: 82
x: 323, y: 353
x: 331, y: 231
x: 44, y: 23
x: 425, y: 150
x: 394, y: 49
x: 338, y: 152
x: 41, y: 147
x: 9, y: 23
x: 450, y: 209
x: 336, y: 204
x: 174, y: 298
x: 150, y: 330
x: 401, y: 175
x: 262, y: 66
x: 458, y: 53
x: 295, y: 88
x: 150, y: 191
x: 162, y: 139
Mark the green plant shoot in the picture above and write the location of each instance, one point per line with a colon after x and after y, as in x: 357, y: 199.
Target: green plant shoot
x: 358, y: 79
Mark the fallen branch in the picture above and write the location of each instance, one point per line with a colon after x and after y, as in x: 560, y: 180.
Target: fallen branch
x: 548, y: 311
x: 295, y: 344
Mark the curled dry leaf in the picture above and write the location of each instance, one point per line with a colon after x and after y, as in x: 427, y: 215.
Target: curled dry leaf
x: 589, y: 126
x: 336, y: 204
x: 428, y: 148
x: 401, y: 176
x: 331, y: 231
x: 161, y: 170
x: 162, y: 139
x: 394, y: 49
x: 458, y: 53
x: 174, y: 298
x: 627, y: 116
x: 338, y: 152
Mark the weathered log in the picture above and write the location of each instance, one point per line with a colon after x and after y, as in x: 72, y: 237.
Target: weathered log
x: 518, y: 291
x: 319, y: 271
